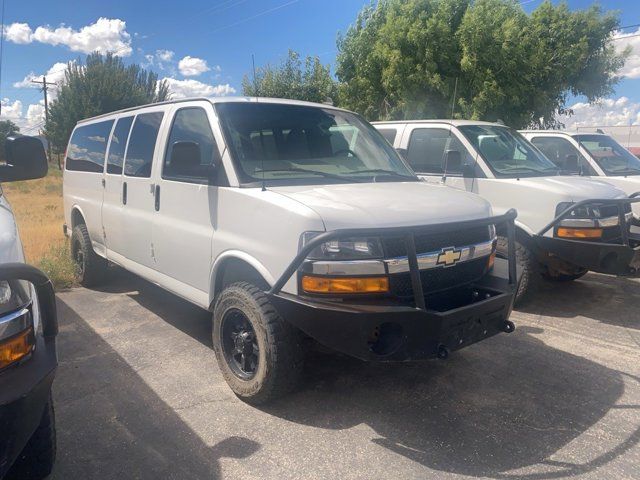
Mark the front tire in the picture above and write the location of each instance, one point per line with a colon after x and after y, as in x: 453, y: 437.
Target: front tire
x: 529, y: 268
x: 259, y: 354
x: 39, y: 455
x: 90, y: 267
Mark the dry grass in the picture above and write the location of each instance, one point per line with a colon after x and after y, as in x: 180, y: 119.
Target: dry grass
x: 37, y: 205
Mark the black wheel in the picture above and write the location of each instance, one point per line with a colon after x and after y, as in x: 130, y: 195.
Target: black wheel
x: 529, y: 270
x: 38, y: 456
x: 260, y: 355
x: 90, y: 267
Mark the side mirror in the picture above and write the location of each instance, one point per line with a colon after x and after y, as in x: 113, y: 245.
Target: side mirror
x: 403, y: 152
x: 571, y: 163
x: 452, y: 161
x: 25, y: 159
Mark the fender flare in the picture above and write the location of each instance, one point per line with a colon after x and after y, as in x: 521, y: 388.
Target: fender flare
x: 238, y: 255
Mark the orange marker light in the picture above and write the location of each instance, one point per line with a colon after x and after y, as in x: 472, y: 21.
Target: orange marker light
x: 565, y: 232
x: 340, y: 285
x: 491, y: 261
x: 16, y: 348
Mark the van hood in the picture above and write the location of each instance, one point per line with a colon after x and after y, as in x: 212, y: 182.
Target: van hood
x: 570, y: 188
x: 387, y: 204
x: 10, y: 246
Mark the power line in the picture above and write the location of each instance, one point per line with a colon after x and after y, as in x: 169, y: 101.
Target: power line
x: 1, y: 52
x: 45, y: 84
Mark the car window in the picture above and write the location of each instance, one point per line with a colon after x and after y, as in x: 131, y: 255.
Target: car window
x: 427, y: 147
x: 190, y: 125
x: 118, y: 145
x: 612, y: 157
x: 142, y: 143
x: 560, y: 151
x: 389, y: 134
x: 87, y: 147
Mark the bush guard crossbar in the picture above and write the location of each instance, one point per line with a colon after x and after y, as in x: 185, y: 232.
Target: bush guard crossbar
x: 623, y: 225
x: 409, y: 234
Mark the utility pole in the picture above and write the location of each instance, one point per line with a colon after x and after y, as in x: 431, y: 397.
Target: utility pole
x: 43, y: 89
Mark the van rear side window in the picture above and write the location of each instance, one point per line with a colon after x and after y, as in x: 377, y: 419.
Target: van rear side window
x: 118, y: 145
x: 142, y: 144
x: 88, y: 146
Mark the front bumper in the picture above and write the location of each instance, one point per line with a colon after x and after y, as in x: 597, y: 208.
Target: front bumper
x: 391, y: 330
x: 621, y: 257
x: 25, y: 387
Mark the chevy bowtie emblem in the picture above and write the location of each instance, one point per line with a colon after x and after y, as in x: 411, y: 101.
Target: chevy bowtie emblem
x: 449, y: 256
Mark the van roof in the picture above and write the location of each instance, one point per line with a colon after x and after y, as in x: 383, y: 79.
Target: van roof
x: 215, y: 100
x: 571, y: 133
x: 453, y: 123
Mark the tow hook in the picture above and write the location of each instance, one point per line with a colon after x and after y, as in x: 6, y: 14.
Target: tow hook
x: 443, y: 352
x: 508, y: 326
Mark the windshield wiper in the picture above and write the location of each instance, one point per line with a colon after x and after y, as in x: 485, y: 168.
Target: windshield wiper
x: 313, y: 172
x: 382, y: 171
x: 513, y: 169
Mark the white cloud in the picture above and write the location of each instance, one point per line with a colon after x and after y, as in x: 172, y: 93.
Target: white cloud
x: 192, y: 66
x: 161, y: 59
x: 194, y: 88
x: 631, y: 67
x: 18, y: 33
x: 105, y: 35
x: 12, y: 110
x: 35, y: 113
x: 55, y: 74
x: 164, y: 55
x: 608, y: 112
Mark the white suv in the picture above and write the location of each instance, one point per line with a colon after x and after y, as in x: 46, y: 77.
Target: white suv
x: 287, y: 220
x: 566, y: 225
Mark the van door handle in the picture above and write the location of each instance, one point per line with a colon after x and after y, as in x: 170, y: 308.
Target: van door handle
x: 157, y: 195
x: 124, y: 193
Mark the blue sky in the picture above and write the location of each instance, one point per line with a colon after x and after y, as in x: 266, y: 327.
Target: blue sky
x: 205, y: 47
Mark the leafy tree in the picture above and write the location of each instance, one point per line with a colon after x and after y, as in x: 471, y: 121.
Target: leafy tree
x: 406, y: 58
x: 311, y: 82
x: 7, y: 128
x: 103, y: 84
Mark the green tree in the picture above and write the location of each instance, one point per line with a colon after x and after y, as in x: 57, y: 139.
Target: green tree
x: 291, y: 79
x: 101, y: 85
x: 7, y: 128
x: 405, y: 59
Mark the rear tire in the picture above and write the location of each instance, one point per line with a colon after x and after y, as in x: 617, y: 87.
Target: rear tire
x: 259, y: 354
x: 39, y: 455
x: 90, y: 267
x: 529, y: 268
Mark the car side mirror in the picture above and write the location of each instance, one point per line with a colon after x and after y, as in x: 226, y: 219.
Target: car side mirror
x: 403, y: 152
x: 25, y: 159
x: 452, y: 161
x: 571, y: 163
x: 468, y: 170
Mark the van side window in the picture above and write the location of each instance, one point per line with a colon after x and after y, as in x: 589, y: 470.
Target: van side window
x: 119, y: 138
x: 558, y: 150
x: 87, y: 147
x: 142, y: 144
x: 389, y: 134
x: 427, y: 147
x: 191, y: 149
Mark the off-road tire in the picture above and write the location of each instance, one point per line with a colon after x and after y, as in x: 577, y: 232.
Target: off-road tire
x: 529, y: 267
x: 38, y: 456
x: 90, y: 267
x: 280, y: 345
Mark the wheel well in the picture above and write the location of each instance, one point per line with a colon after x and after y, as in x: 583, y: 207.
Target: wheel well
x: 235, y: 270
x: 76, y: 218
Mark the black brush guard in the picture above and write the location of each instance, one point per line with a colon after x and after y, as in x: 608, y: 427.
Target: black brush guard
x: 374, y: 330
x: 619, y: 258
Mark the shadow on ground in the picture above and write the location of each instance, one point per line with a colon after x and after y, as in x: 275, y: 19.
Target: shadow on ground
x: 111, y: 425
x: 508, y: 407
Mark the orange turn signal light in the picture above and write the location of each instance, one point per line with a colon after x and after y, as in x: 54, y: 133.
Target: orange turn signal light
x: 565, y: 232
x: 345, y: 285
x: 17, y: 347
x: 491, y: 261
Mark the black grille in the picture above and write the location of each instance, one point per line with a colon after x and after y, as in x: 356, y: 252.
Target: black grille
x: 437, y: 279
x: 395, y: 246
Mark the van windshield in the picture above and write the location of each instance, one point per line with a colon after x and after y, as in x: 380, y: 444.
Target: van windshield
x: 612, y: 157
x: 508, y: 154
x: 296, y: 144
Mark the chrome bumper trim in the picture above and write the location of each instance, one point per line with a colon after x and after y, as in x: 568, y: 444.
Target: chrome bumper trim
x: 15, y: 322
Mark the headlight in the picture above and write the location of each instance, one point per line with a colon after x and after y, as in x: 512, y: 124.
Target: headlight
x: 584, y: 212
x: 17, y: 338
x: 345, y: 249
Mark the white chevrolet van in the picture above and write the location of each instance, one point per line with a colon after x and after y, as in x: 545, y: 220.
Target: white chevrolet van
x: 566, y: 225
x: 287, y: 220
x: 592, y: 155
x: 28, y: 327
